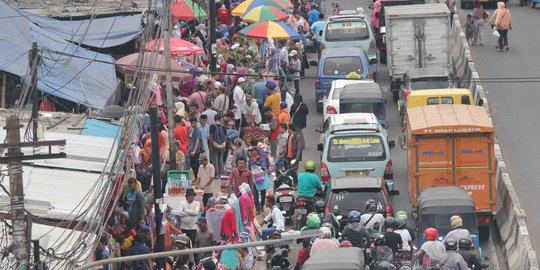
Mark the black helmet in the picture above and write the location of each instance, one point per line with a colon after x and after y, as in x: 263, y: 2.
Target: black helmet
x: 450, y: 244
x: 400, y: 224
x: 371, y: 205
x: 384, y: 265
x: 390, y: 222
x: 319, y: 206
x: 378, y: 239
x: 464, y: 243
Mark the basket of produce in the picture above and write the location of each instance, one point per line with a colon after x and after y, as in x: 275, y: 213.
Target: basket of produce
x: 254, y: 132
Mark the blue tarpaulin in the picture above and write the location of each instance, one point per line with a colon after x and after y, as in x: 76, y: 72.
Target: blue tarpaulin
x: 66, y: 70
x: 98, y: 128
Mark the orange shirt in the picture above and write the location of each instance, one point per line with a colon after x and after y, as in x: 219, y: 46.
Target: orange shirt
x: 284, y: 117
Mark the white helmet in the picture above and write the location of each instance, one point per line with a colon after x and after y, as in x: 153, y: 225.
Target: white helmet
x: 326, y: 232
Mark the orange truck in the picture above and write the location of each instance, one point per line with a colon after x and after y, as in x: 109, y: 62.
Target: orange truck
x: 452, y: 145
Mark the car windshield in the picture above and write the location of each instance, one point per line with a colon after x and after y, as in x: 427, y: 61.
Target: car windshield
x: 342, y: 66
x: 344, y: 31
x: 356, y: 148
x: 368, y: 107
x: 442, y: 222
x: 347, y: 200
x: 430, y: 84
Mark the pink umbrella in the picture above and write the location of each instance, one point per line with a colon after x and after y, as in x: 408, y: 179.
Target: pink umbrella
x: 179, y: 47
x: 152, y: 64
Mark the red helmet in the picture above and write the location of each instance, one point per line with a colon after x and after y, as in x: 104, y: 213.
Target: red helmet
x: 431, y: 234
x: 345, y: 244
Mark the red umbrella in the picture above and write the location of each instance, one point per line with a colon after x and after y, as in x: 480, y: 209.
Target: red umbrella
x: 186, y: 10
x: 152, y: 64
x: 179, y: 47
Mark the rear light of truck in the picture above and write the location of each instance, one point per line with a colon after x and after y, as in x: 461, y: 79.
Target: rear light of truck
x: 388, y: 210
x: 301, y: 203
x: 484, y: 220
x: 331, y: 110
x: 327, y: 209
x: 325, y: 174
x: 389, y: 171
x: 317, y: 84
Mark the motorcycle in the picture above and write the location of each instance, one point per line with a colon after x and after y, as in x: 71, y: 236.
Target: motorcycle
x: 279, y: 258
x: 285, y: 197
x: 287, y: 177
x: 524, y: 2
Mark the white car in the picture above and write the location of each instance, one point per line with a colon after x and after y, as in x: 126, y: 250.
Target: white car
x: 331, y: 102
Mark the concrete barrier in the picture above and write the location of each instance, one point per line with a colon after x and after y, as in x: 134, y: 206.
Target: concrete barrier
x: 511, y: 219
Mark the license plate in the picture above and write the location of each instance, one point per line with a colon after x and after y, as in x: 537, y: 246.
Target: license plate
x: 475, y: 252
x: 285, y: 199
x: 301, y: 211
x: 355, y: 173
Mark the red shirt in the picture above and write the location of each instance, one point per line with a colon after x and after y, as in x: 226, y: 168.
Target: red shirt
x: 180, y: 134
x: 223, y: 13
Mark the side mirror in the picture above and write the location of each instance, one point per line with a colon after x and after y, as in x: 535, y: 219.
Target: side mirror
x: 373, y: 61
x: 370, y: 6
x: 402, y: 141
x: 339, y: 217
x: 313, y: 63
x: 318, y: 130
x: 394, y: 192
x: 293, y: 161
x: 320, y: 147
x: 392, y: 144
x: 480, y: 102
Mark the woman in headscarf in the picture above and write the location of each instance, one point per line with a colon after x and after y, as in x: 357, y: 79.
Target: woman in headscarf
x: 375, y: 16
x: 478, y: 18
x: 503, y: 23
x: 145, y: 155
x: 299, y: 112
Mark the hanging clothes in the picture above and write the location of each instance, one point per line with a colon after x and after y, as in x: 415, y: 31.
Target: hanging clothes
x: 238, y: 215
x: 213, y: 218
x: 245, y: 205
x: 229, y: 258
x: 229, y: 228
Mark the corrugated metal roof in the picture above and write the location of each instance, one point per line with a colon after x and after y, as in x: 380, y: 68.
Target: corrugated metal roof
x: 448, y: 119
x: 80, y: 8
x: 421, y: 10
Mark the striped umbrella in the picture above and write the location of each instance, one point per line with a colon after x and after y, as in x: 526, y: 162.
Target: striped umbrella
x: 263, y: 14
x: 186, y: 10
x: 275, y: 30
x: 249, y: 4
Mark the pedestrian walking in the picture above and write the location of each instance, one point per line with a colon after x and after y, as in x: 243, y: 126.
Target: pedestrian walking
x: 218, y: 145
x: 258, y: 168
x: 240, y: 175
x: 299, y: 112
x: 206, y: 179
x: 282, y: 148
x: 479, y: 15
x: 469, y: 29
x: 503, y: 23
x: 294, y: 67
x: 274, y: 130
x: 194, y: 147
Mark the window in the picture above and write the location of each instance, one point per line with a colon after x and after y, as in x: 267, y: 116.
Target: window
x: 433, y: 101
x: 356, y: 148
x: 350, y: 199
x: 430, y: 84
x: 342, y: 66
x: 447, y: 100
x: 346, y: 30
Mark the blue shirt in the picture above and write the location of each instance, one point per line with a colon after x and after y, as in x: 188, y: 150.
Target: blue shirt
x: 313, y: 16
x: 308, y: 184
x: 205, y: 135
x: 194, y: 134
x: 258, y: 89
x: 317, y: 27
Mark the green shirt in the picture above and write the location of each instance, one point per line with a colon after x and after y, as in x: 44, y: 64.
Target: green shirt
x: 308, y: 184
x: 282, y: 76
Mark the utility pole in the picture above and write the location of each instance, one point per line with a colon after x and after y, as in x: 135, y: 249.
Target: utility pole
x: 14, y: 158
x: 34, y: 60
x: 212, y: 25
x: 168, y: 90
x: 156, y: 177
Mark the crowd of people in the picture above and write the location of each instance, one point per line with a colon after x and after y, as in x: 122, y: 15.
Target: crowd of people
x: 233, y: 128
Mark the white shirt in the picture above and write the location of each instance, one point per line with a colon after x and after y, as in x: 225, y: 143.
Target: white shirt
x: 188, y: 212
x: 289, y: 100
x: 211, y: 114
x: 378, y: 217
x: 277, y: 219
x: 283, y: 55
x: 405, y: 238
x: 252, y: 110
x: 238, y: 99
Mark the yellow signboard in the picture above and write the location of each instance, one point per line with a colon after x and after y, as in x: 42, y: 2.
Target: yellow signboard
x: 353, y: 75
x: 356, y: 141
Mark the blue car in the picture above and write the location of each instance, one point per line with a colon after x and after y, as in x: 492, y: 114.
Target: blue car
x: 340, y: 63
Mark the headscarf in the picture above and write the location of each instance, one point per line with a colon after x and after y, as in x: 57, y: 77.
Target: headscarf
x: 146, y: 152
x: 376, y: 10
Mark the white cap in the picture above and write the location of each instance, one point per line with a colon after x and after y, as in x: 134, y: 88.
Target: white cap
x: 217, y: 85
x: 241, y: 79
x: 293, y: 53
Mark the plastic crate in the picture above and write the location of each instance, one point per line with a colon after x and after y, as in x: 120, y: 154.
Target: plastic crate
x: 178, y: 181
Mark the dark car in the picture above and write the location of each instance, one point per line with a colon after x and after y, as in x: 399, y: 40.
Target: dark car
x: 351, y: 193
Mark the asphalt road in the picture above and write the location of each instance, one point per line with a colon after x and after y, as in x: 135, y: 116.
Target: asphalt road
x: 514, y: 104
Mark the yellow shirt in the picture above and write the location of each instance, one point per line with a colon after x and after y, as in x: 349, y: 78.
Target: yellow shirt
x: 273, y: 102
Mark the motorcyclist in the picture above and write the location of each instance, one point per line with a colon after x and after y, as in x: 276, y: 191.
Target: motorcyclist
x: 451, y: 260
x: 392, y: 239
x: 354, y: 231
x: 328, y: 219
x: 313, y: 222
x: 431, y: 251
x: 385, y: 266
x: 464, y: 246
x: 458, y: 231
x: 309, y: 184
x: 381, y: 252
x: 406, y: 238
x: 403, y: 216
x: 303, y: 254
x: 372, y: 220
x: 324, y: 242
